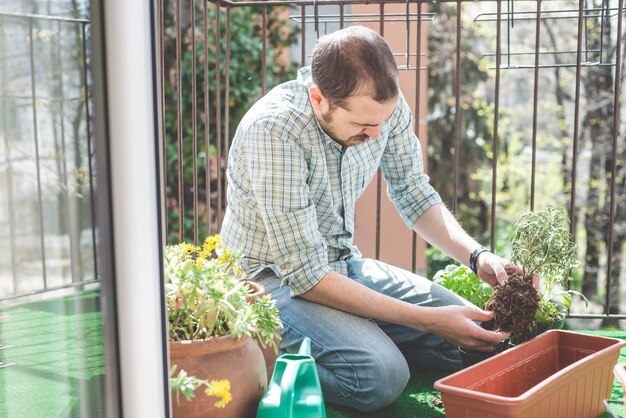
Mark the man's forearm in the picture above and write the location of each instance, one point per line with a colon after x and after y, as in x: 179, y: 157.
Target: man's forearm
x: 340, y: 292
x: 440, y: 228
x: 454, y: 323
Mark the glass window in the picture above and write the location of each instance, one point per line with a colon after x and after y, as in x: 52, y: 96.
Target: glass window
x: 51, y: 323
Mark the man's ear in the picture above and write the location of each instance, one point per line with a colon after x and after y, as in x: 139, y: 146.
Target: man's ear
x: 318, y: 101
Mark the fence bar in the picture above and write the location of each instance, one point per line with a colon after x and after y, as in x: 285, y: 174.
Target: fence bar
x: 207, y: 130
x: 7, y: 159
x: 535, y: 102
x: 37, y: 157
x: 271, y: 3
x: 218, y: 113
x: 457, y: 109
x: 602, y: 27
x: 264, y: 50
x: 161, y: 83
x: 418, y: 92
x: 612, y: 202
x: 179, y: 125
x: 227, y: 91
x: 341, y: 16
x: 408, y: 33
x: 50, y: 289
x: 194, y: 119
x: 379, y: 176
x: 90, y: 154
x: 496, y: 116
x: 31, y: 16
x: 73, y: 213
x: 63, y: 169
x: 572, y: 203
x: 303, y: 36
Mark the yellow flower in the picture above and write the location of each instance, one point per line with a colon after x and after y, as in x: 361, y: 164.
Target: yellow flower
x: 204, y: 253
x: 188, y: 249
x: 223, y: 259
x: 219, y: 389
x: 211, y: 242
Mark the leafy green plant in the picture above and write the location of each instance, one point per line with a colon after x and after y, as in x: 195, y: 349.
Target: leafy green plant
x: 206, y: 297
x: 541, y: 244
x: 187, y: 385
x: 462, y: 281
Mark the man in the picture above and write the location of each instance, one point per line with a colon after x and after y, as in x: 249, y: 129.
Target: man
x: 300, y: 158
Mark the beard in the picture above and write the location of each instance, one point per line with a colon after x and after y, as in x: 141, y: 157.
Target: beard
x: 326, y: 123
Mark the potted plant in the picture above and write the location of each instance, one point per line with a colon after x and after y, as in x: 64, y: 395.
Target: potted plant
x: 215, y: 333
x: 542, y: 245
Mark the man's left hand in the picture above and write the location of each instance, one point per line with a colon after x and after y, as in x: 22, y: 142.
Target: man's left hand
x: 492, y: 268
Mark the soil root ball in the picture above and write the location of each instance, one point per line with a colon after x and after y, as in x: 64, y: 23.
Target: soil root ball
x: 514, y: 306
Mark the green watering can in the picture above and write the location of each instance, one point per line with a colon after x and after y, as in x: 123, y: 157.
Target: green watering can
x: 294, y: 390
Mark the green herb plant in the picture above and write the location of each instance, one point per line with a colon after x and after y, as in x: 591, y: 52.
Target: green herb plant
x: 462, y: 281
x: 541, y: 244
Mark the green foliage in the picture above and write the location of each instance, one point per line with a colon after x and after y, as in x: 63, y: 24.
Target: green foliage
x: 547, y: 311
x: 244, y: 88
x: 462, y: 281
x: 206, y: 296
x: 541, y: 244
x: 436, y: 260
x: 187, y: 385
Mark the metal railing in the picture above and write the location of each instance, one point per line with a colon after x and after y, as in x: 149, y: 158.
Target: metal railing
x: 565, y: 58
x: 48, y: 237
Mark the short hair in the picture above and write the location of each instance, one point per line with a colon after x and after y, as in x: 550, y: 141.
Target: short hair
x: 350, y: 59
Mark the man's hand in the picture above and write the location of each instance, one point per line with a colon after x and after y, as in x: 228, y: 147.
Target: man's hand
x: 492, y: 268
x: 457, y: 325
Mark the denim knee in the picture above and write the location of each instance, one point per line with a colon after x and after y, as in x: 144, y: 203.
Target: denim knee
x: 381, y: 378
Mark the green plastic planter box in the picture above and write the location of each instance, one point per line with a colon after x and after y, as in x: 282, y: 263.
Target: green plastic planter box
x: 557, y: 374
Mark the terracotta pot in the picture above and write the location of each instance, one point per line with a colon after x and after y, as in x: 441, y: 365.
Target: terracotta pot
x: 269, y: 354
x: 237, y: 359
x: 557, y: 374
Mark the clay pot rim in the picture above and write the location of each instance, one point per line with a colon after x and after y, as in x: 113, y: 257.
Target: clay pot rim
x: 212, y: 345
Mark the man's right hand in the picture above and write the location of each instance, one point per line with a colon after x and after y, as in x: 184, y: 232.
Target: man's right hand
x: 457, y: 324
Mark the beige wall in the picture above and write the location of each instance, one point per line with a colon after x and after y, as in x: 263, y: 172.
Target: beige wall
x: 396, y: 238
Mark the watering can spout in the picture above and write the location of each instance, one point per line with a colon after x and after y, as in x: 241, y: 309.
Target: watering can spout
x: 294, y: 390
x: 305, y: 347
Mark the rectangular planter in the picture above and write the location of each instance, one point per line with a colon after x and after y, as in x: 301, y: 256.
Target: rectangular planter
x: 557, y: 374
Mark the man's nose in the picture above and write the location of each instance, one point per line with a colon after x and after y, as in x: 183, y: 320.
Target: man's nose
x: 372, y: 131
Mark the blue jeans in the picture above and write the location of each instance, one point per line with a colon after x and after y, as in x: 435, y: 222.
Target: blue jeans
x: 363, y: 363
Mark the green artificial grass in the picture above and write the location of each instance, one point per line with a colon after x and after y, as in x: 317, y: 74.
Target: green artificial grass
x: 57, y: 350
x: 419, y: 399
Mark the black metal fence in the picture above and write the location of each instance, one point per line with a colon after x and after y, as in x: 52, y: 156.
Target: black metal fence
x: 520, y: 104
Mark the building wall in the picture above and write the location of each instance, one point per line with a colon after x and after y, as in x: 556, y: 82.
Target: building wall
x: 395, y: 238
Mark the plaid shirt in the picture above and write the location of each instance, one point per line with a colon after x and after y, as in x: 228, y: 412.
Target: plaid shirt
x: 292, y: 190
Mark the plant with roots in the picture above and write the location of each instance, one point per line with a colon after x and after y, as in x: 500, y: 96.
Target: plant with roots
x: 542, y: 244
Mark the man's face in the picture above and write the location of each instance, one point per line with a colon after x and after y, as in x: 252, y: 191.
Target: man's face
x: 358, y: 121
